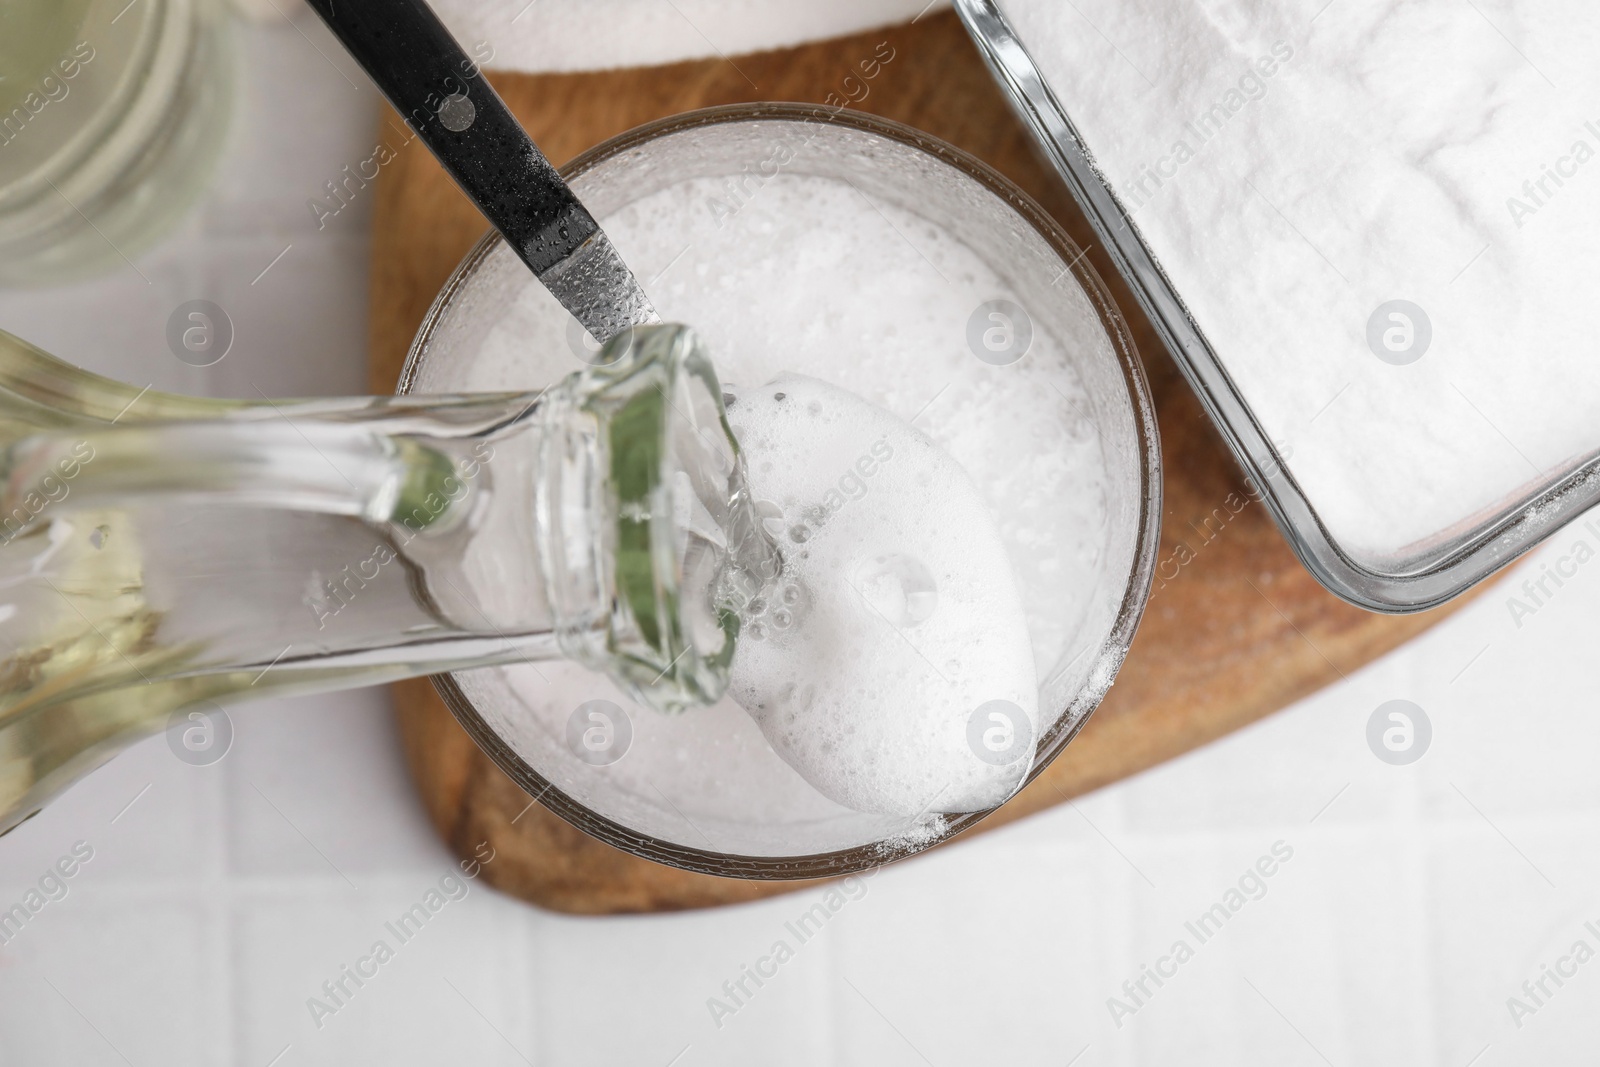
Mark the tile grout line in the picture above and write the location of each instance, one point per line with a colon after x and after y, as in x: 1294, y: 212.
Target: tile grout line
x: 225, y: 949
x: 1417, y: 846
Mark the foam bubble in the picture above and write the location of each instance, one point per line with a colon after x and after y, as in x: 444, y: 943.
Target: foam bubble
x: 899, y: 569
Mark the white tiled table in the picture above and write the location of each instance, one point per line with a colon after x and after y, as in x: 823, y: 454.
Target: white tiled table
x: 220, y: 898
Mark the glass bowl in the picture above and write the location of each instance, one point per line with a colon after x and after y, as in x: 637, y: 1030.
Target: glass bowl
x: 703, y: 791
x: 1390, y: 512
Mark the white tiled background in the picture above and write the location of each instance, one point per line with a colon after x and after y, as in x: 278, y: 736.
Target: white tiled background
x: 1418, y: 899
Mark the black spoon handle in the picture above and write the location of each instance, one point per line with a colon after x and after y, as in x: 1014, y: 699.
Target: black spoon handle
x: 441, y: 94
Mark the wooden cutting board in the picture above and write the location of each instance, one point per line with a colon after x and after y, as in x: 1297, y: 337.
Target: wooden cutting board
x: 1236, y: 629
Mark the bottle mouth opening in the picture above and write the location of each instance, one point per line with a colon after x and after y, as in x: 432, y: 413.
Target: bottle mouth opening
x: 647, y: 534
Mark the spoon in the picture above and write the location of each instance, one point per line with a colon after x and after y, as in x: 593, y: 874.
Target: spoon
x: 440, y: 93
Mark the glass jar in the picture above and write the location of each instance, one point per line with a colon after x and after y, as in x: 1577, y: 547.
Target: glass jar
x: 704, y: 791
x: 112, y: 115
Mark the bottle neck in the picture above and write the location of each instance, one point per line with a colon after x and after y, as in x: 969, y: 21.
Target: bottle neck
x: 597, y: 520
x: 160, y: 552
